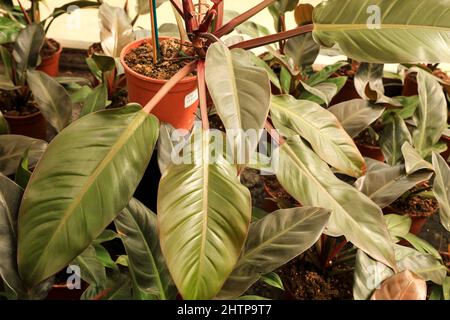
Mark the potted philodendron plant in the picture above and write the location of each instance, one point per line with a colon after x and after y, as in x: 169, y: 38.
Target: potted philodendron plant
x: 29, y: 97
x: 206, y: 243
x: 16, y: 18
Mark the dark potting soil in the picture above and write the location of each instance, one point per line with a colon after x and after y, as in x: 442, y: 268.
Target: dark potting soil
x: 302, y: 281
x: 365, y: 139
x: 276, y: 193
x: 49, y: 48
x: 11, y: 104
x: 416, y: 206
x: 174, y: 57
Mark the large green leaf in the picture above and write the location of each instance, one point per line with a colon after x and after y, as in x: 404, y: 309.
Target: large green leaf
x: 203, y: 218
x: 441, y: 188
x: 321, y: 129
x: 85, y: 178
x: 387, y: 184
x: 431, y: 115
x: 12, y: 148
x: 404, y: 33
x: 137, y: 226
x: 273, y: 241
x: 10, y: 197
x: 51, y: 98
x: 311, y: 182
x: 356, y: 115
x: 241, y: 94
x: 27, y: 48
x: 116, y: 30
x: 395, y: 134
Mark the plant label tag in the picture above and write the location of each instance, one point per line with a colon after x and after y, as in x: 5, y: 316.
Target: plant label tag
x: 191, y: 99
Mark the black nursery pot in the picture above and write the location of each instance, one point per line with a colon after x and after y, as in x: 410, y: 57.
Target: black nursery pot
x: 147, y: 191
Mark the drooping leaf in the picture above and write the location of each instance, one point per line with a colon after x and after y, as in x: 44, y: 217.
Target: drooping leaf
x: 310, y: 181
x: 395, y: 134
x: 241, y: 94
x: 66, y: 190
x: 273, y: 241
x: 321, y: 129
x: 413, y: 161
x: 386, y: 185
x: 116, y: 30
x: 96, y: 100
x: 203, y: 218
x: 91, y: 269
x: 137, y: 226
x: 356, y: 115
x: 431, y: 115
x: 10, y: 197
x: 303, y: 50
x: 51, y: 98
x: 12, y: 147
x: 369, y: 83
x: 27, y: 48
x: 385, y: 31
x: 441, y: 188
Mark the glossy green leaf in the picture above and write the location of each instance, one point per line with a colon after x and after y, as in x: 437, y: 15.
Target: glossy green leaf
x: 311, y: 182
x: 398, y: 225
x: 395, y: 134
x: 356, y: 115
x: 413, y: 161
x: 431, y: 115
x: 285, y: 80
x: 12, y: 148
x: 91, y: 269
x: 27, y: 48
x: 323, y: 92
x: 137, y: 227
x: 10, y: 198
x: 325, y: 73
x: 273, y: 280
x: 409, y: 104
x: 103, y: 63
x: 57, y: 220
x: 241, y: 94
x: 23, y: 172
x: 9, y: 30
x: 441, y: 188
x: 387, y: 184
x: 203, y: 218
x: 51, y: 98
x: 385, y: 31
x: 321, y: 129
x: 421, y: 245
x: 96, y: 100
x: 103, y: 256
x: 273, y: 241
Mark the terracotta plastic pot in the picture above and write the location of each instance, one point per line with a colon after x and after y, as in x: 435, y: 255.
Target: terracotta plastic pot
x: 178, y: 107
x: 50, y: 65
x: 33, y: 125
x: 410, y: 85
x: 372, y: 152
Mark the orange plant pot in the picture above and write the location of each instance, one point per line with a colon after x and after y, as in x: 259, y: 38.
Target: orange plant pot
x: 178, y: 107
x: 33, y: 125
x: 50, y: 65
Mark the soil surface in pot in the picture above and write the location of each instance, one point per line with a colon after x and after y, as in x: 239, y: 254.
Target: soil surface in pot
x: 365, y: 139
x: 174, y: 57
x: 416, y: 206
x: 10, y: 105
x: 302, y: 281
x: 49, y: 48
